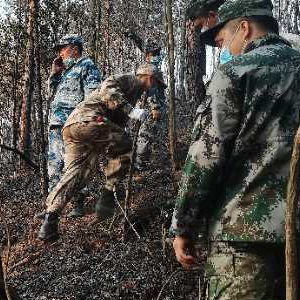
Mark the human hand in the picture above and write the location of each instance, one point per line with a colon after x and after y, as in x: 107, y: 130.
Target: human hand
x: 182, y: 246
x: 138, y: 114
x: 155, y: 114
x: 57, y: 65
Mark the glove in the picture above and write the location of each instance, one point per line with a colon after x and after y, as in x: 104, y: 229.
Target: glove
x: 155, y: 114
x: 138, y: 114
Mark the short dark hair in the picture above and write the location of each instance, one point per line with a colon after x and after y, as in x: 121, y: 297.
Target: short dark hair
x: 264, y: 23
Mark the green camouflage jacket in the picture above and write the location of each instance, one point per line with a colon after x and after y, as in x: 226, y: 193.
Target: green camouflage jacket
x: 237, y: 168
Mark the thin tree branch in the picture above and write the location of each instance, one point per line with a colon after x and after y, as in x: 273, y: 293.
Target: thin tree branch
x: 21, y: 154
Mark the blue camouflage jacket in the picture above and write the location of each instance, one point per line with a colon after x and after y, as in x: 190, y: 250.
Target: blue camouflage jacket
x: 70, y: 88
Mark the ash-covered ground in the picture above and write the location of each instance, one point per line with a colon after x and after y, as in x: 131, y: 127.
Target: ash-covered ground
x: 92, y: 260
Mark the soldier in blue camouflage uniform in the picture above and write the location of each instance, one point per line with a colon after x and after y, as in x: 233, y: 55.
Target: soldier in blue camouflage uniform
x: 152, y: 132
x: 237, y: 167
x: 72, y: 78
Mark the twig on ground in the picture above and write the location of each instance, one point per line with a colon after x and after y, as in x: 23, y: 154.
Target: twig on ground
x: 25, y: 260
x: 22, y: 156
x: 125, y: 215
x: 167, y: 282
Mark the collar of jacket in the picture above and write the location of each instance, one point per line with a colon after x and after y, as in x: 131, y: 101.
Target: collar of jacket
x: 268, y: 39
x: 75, y: 63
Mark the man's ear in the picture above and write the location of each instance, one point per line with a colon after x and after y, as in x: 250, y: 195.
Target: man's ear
x: 246, y: 29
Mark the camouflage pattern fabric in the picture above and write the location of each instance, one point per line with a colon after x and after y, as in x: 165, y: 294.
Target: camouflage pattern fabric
x: 56, y: 153
x: 152, y: 134
x: 233, y: 9
x: 84, y: 143
x: 70, y: 87
x: 243, y: 271
x: 69, y: 39
x: 237, y: 168
x: 114, y: 98
x: 198, y: 8
x: 96, y: 127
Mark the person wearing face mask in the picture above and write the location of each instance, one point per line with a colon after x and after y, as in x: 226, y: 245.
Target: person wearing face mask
x: 72, y: 78
x: 153, y: 131
x: 237, y: 168
x: 97, y: 127
x: 203, y: 13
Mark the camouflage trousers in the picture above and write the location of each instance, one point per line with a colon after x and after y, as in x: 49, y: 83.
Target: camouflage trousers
x: 84, y: 142
x: 152, y: 139
x: 56, y: 153
x: 241, y: 271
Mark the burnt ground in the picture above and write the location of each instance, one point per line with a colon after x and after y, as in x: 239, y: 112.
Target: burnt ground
x: 92, y: 260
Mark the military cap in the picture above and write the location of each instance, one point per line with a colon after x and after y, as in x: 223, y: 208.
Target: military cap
x: 197, y: 8
x: 233, y: 9
x: 69, y: 39
x: 152, y: 70
x: 151, y: 46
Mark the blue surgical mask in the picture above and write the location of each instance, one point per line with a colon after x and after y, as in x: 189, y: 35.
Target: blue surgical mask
x: 225, y: 53
x: 69, y: 62
x: 156, y: 60
x: 225, y: 56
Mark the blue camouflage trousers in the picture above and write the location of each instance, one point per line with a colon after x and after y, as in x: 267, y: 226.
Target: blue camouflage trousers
x: 56, y: 152
x: 245, y: 271
x: 152, y: 138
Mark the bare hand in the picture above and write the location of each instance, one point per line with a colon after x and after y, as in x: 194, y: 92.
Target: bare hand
x: 181, y: 245
x: 57, y: 65
x: 155, y: 114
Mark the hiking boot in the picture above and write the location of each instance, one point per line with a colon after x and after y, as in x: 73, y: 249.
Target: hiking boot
x: 105, y: 206
x: 40, y: 216
x: 78, y: 207
x: 49, y: 229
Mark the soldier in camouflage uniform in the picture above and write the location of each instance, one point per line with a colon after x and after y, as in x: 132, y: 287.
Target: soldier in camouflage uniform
x: 96, y: 127
x: 237, y: 167
x: 152, y: 132
x: 203, y: 13
x: 72, y: 78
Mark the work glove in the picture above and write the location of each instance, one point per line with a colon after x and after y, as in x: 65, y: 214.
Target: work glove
x: 138, y: 114
x: 155, y: 113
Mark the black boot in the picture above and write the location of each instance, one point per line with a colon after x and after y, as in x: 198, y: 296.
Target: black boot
x: 78, y: 207
x: 105, y: 206
x: 49, y: 229
x: 40, y: 216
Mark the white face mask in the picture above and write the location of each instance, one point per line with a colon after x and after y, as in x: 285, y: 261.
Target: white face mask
x: 69, y: 61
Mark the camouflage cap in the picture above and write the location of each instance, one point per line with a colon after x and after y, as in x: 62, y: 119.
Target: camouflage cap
x: 69, y: 39
x: 233, y: 9
x: 197, y: 8
x: 152, y: 70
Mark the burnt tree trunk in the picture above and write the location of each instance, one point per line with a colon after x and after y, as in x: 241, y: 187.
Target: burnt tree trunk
x: 291, y: 216
x: 40, y: 108
x: 25, y: 142
x: 171, y: 65
x: 196, y: 69
x: 15, y: 80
